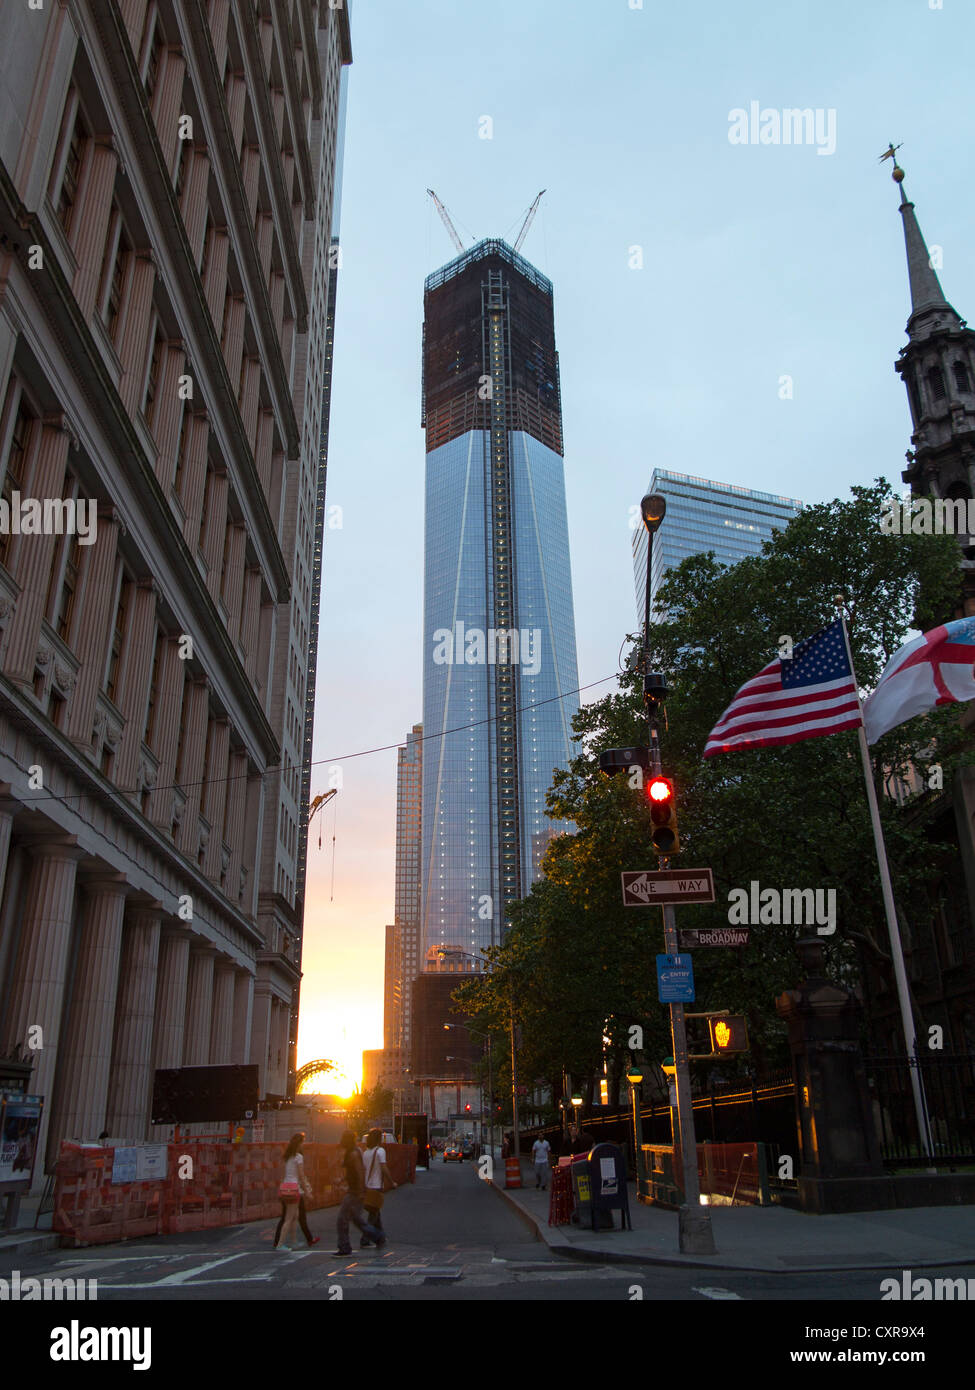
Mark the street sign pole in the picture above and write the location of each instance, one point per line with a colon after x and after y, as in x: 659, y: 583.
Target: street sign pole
x: 695, y: 1233
x: 694, y: 1221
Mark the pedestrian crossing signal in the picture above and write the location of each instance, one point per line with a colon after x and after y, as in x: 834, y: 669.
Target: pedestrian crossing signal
x: 729, y: 1033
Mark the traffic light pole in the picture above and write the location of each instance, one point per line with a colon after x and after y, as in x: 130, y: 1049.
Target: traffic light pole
x: 695, y: 1234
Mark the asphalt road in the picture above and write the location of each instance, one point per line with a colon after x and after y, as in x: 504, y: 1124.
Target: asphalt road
x: 451, y: 1238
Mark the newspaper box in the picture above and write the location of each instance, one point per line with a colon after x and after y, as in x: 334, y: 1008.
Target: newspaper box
x: 607, y: 1187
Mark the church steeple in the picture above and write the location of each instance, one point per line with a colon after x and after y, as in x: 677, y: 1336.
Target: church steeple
x: 929, y: 308
x: 938, y: 368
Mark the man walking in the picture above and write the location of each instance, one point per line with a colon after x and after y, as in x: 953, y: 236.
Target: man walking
x: 542, y: 1163
x: 351, y: 1208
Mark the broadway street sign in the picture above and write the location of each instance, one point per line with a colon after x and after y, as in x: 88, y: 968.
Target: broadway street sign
x: 646, y: 887
x: 713, y: 936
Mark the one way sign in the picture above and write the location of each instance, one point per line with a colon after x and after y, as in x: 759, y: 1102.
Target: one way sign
x: 647, y: 887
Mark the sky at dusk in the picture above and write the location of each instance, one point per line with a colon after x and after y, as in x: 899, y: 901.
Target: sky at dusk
x: 759, y: 262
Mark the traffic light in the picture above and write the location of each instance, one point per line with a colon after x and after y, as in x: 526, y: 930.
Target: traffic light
x: 729, y: 1033
x: 663, y: 815
x: 467, y: 1108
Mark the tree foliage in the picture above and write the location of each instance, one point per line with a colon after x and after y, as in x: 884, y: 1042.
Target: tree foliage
x: 576, y: 965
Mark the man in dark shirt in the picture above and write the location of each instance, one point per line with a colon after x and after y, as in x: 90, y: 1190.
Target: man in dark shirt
x: 578, y: 1141
x: 352, y: 1208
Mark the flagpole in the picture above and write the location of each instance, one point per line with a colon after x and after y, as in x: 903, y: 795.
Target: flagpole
x: 893, y: 932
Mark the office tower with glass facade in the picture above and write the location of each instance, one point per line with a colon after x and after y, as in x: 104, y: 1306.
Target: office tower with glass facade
x: 704, y: 515
x: 499, y: 656
x: 402, y: 937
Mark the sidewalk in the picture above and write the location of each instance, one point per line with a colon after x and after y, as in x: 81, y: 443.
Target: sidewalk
x: 767, y: 1239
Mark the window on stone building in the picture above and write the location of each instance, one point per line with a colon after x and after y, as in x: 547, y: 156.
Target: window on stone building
x: 113, y: 674
x: 152, y: 379
x: 13, y: 477
x: 182, y: 444
x: 154, y: 689
x: 63, y: 582
x: 153, y: 60
x: 936, y: 382
x: 961, y: 377
x: 112, y: 305
x: 66, y: 175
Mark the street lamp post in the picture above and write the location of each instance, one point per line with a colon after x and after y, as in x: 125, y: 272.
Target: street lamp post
x: 634, y: 1076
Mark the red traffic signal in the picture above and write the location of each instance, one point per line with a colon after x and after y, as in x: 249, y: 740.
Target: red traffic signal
x: 663, y: 815
x: 467, y: 1108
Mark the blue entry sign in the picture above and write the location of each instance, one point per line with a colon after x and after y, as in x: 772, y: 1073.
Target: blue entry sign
x: 675, y: 980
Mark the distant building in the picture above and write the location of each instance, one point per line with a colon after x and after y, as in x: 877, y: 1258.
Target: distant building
x: 704, y: 515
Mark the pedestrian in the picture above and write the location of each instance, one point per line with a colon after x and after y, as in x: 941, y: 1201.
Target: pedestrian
x: 352, y: 1208
x: 540, y: 1158
x: 294, y: 1188
x: 578, y: 1142
x: 377, y: 1175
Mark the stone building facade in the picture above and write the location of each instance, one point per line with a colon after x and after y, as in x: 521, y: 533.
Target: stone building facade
x: 165, y: 170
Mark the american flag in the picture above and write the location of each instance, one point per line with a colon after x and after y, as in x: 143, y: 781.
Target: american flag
x: 810, y: 694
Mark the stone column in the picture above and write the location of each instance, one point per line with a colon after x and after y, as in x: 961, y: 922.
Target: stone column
x: 167, y: 100
x: 39, y: 971
x: 132, y: 342
x: 233, y: 580
x: 250, y: 168
x: 249, y: 619
x: 221, y: 1027
x: 216, y: 795
x: 130, y: 1092
x: 93, y: 624
x: 199, y: 1008
x: 249, y: 399
x: 90, y: 227
x: 170, y: 1018
x: 215, y: 281
x: 261, y: 1034
x: 134, y: 18
x: 217, y: 15
x: 195, y: 477
x: 235, y: 90
x: 169, y: 706
x: 169, y: 1024
x: 262, y: 451
x: 253, y: 823
x: 134, y: 694
x: 264, y: 232
x: 196, y: 714
x: 9, y: 806
x: 276, y: 295
x: 195, y: 198
x: 234, y: 820
x: 167, y: 416
x: 44, y: 477
x: 81, y: 1105
x: 243, y: 1011
x: 233, y: 343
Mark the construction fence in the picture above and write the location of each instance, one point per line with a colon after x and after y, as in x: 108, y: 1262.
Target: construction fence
x: 110, y: 1194
x: 729, y: 1174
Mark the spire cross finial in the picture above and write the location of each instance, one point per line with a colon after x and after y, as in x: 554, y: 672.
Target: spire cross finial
x: 890, y: 152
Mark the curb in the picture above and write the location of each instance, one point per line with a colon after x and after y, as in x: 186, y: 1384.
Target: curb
x: 28, y: 1243
x: 551, y: 1236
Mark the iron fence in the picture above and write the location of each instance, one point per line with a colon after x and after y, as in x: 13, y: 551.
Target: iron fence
x: 949, y: 1094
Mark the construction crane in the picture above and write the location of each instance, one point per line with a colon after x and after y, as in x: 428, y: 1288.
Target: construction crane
x: 318, y: 803
x: 445, y: 218
x: 528, y: 221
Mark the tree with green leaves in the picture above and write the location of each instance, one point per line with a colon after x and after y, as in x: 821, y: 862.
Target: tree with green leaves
x: 576, y: 966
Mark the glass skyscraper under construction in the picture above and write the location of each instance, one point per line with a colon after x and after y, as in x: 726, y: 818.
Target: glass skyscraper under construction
x: 499, y: 659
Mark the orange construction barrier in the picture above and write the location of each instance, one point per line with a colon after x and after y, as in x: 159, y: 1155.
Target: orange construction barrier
x: 512, y: 1172
x: 560, y: 1197
x: 222, y: 1184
